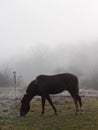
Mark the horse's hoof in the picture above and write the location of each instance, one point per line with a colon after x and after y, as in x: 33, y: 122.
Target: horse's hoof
x: 56, y: 114
x: 41, y: 114
x: 81, y: 113
x: 76, y: 113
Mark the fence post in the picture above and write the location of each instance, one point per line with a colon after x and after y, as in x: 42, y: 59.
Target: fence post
x: 14, y: 72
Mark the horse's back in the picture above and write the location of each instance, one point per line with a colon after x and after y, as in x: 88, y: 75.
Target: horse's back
x: 57, y: 83
x: 67, y: 77
x: 57, y: 75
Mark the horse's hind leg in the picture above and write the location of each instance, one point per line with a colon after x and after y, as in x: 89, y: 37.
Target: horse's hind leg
x: 76, y: 104
x: 50, y: 102
x: 80, y: 103
x: 75, y: 101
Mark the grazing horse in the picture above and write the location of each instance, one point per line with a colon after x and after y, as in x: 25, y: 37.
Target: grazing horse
x: 44, y: 85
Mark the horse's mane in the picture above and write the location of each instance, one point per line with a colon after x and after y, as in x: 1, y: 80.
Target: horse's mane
x: 30, y: 87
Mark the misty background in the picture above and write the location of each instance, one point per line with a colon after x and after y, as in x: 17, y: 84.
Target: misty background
x: 48, y: 37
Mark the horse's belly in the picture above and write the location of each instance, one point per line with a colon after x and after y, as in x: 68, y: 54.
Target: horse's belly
x: 56, y: 90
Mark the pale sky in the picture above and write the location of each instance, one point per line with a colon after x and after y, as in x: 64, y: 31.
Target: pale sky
x: 24, y: 23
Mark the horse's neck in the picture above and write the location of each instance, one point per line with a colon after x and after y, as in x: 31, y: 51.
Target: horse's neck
x: 30, y: 96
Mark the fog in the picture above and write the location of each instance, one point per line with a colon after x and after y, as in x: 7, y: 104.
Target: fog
x: 49, y: 37
x: 79, y: 59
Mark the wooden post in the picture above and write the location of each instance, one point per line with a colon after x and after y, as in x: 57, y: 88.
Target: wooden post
x: 14, y: 72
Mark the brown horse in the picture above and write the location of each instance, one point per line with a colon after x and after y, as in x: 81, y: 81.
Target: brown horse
x: 44, y: 85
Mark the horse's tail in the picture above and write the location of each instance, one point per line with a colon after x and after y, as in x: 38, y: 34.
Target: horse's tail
x: 77, y: 94
x: 77, y: 87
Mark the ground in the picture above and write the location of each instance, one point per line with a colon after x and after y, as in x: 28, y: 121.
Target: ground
x: 65, y: 120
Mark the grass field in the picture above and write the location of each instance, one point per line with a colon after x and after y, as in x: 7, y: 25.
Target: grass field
x: 66, y: 119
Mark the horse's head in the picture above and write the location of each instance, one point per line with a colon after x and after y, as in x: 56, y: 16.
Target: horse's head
x: 25, y: 105
x: 25, y: 102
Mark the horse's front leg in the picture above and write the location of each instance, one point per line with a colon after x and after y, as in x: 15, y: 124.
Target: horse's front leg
x: 43, y: 105
x: 50, y: 102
